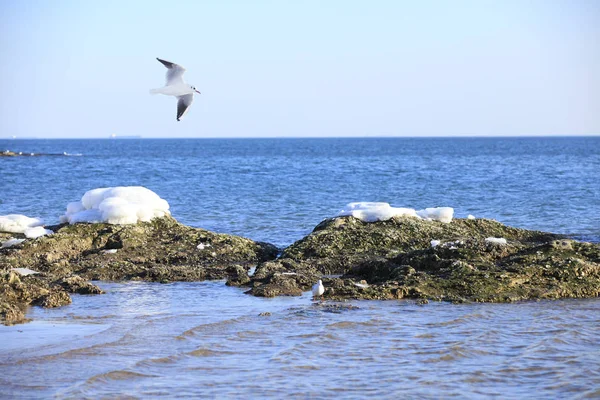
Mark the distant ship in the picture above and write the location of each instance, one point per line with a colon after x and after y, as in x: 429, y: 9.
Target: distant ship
x: 115, y: 136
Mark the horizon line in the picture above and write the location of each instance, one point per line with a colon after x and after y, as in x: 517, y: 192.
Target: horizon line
x: 131, y: 137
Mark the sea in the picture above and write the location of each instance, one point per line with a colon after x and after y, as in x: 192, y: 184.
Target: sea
x: 207, y: 340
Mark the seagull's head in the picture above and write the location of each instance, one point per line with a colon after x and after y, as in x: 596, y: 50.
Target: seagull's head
x: 194, y: 89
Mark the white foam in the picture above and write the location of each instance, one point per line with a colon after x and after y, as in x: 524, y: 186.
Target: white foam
x: 17, y: 223
x: 494, y: 240
x: 374, y: 211
x: 36, y: 232
x: 117, y: 205
x: 11, y: 242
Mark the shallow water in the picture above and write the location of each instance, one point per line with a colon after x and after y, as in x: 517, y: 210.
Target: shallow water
x: 208, y: 340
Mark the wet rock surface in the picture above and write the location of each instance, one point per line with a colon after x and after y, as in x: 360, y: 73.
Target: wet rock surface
x: 162, y: 250
x: 460, y: 261
x: 395, y: 259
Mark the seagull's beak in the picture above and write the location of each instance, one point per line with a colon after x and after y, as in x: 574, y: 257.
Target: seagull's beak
x: 197, y: 91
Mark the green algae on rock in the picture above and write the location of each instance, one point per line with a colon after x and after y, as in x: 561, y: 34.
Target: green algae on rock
x: 161, y: 250
x: 396, y: 259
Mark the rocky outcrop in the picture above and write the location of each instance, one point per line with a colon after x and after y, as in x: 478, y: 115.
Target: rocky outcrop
x: 404, y: 257
x: 396, y: 259
x: 161, y: 250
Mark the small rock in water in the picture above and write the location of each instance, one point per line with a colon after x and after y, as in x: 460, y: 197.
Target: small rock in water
x: 264, y: 314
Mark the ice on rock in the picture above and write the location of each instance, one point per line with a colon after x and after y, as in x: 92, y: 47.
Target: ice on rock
x: 24, y: 271
x: 442, y: 214
x: 494, y: 240
x: 36, y: 232
x: 11, y: 242
x: 373, y: 211
x: 17, y: 223
x: 117, y: 205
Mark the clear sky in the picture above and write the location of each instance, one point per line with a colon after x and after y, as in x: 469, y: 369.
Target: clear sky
x: 301, y: 68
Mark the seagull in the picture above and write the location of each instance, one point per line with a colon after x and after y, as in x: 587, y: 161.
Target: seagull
x: 175, y: 86
x: 318, y: 289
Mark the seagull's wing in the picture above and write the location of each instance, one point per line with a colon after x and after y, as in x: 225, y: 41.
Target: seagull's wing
x: 183, y: 103
x: 174, y: 72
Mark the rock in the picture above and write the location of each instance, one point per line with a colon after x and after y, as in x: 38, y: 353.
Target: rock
x: 76, y: 284
x: 11, y: 313
x: 395, y: 259
x: 55, y: 299
x: 158, y: 250
x: 161, y: 250
x: 238, y: 276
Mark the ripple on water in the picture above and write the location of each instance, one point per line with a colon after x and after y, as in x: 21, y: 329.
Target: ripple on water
x: 221, y: 347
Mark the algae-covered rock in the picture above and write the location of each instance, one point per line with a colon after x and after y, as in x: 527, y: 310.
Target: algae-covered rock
x: 161, y: 250
x: 468, y: 262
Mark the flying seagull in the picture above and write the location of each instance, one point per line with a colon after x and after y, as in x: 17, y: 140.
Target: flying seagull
x: 175, y: 86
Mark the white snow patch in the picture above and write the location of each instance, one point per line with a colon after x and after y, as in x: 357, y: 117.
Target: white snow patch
x: 203, y: 246
x: 373, y: 211
x: 109, y: 251
x: 494, y: 240
x: 17, y: 223
x: 117, y: 205
x: 435, y: 243
x: 442, y: 214
x: 36, y: 232
x: 24, y: 271
x: 470, y: 216
x: 11, y: 242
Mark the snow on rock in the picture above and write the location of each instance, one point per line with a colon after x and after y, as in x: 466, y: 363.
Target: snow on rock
x: 117, y: 205
x: 17, y: 223
x: 24, y: 271
x: 373, y: 211
x: 494, y: 240
x: 36, y: 232
x: 11, y: 242
x: 435, y: 243
x: 470, y: 216
x: 442, y: 214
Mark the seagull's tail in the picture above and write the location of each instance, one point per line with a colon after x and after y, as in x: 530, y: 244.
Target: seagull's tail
x: 155, y: 91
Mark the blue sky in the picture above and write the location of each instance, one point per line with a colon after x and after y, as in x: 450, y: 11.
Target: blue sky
x: 301, y: 68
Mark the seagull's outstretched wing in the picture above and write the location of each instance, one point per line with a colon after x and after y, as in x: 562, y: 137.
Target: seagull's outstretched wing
x: 174, y: 72
x: 183, y: 103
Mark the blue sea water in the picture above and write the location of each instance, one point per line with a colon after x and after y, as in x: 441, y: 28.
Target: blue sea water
x: 277, y: 190
x: 207, y: 340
